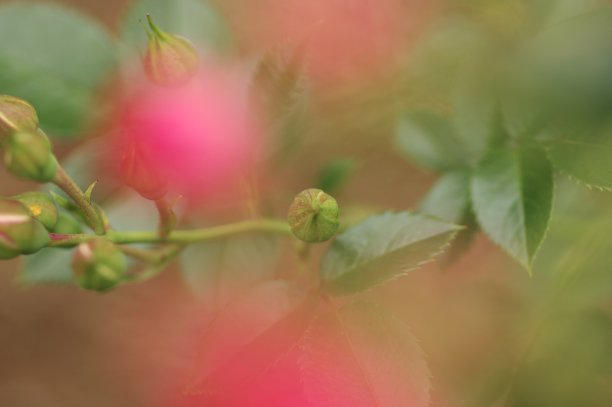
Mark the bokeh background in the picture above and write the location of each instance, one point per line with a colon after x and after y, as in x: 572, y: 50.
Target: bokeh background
x: 493, y: 335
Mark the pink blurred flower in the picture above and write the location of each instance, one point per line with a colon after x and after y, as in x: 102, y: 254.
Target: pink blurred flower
x: 197, y: 140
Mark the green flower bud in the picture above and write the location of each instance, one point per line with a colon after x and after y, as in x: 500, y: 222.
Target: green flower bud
x: 313, y: 216
x: 170, y: 60
x: 67, y: 225
x: 41, y: 207
x: 28, y: 155
x: 19, y: 232
x: 98, y: 265
x: 16, y: 115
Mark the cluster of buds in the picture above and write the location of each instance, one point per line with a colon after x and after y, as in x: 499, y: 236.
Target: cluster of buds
x: 27, y: 149
x: 98, y: 265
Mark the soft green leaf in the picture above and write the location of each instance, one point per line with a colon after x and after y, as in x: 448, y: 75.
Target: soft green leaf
x: 430, y: 141
x: 512, y: 194
x: 216, y: 270
x: 586, y: 155
x: 382, y: 247
x: 449, y: 199
x: 48, y: 266
x: 361, y: 356
x: 335, y: 174
x: 196, y: 20
x: 54, y: 58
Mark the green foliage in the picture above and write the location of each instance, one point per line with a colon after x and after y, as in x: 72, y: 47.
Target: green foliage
x: 382, y: 247
x: 429, y: 140
x: 335, y: 174
x: 56, y: 59
x: 197, y: 20
x: 48, y: 266
x: 512, y: 193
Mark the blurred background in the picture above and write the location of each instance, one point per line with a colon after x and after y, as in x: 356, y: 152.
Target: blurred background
x: 493, y: 335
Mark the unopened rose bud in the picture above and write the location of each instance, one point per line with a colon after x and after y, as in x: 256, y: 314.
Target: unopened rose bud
x: 170, y: 60
x: 313, y: 216
x: 41, y: 207
x: 16, y: 115
x: 19, y: 232
x: 28, y: 155
x: 67, y: 225
x: 98, y: 265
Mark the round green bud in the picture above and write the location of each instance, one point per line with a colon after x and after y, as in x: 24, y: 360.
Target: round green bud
x: 16, y: 115
x: 98, y: 265
x: 41, y: 206
x: 28, y: 155
x: 19, y: 232
x: 67, y: 224
x: 313, y: 216
x: 170, y: 60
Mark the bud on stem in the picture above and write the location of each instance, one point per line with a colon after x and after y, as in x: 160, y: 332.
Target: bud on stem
x: 16, y: 115
x: 41, y: 207
x: 170, y: 60
x: 98, y: 265
x: 19, y: 232
x: 28, y: 155
x: 313, y: 216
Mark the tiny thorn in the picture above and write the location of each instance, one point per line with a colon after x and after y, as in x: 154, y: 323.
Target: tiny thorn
x: 89, y: 190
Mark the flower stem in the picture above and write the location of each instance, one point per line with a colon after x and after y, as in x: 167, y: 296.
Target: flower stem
x: 89, y: 212
x: 179, y: 236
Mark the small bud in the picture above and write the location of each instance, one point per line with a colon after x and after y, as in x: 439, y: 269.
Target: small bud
x: 16, y: 115
x: 28, y: 155
x: 67, y: 224
x: 170, y: 60
x: 41, y: 207
x: 19, y: 232
x: 98, y: 265
x: 313, y: 216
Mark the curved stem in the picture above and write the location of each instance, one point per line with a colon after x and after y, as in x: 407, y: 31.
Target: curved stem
x: 66, y: 184
x: 179, y: 236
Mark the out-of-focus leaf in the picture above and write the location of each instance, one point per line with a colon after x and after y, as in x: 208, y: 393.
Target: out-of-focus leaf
x: 55, y: 58
x: 585, y: 154
x: 430, y: 141
x: 132, y: 212
x: 382, y: 247
x: 48, y: 266
x: 335, y: 174
x: 196, y: 20
x: 512, y: 194
x: 249, y: 336
x: 360, y: 356
x: 449, y: 199
x: 216, y: 271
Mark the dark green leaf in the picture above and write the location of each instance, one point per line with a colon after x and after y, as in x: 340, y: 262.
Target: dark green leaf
x: 382, y: 247
x: 512, y: 194
x: 430, y: 141
x: 54, y: 58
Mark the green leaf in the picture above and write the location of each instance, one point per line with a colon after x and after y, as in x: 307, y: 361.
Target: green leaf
x: 249, y: 336
x: 196, y: 20
x: 449, y: 200
x: 361, y: 356
x: 512, y: 194
x: 215, y: 271
x: 335, y: 174
x: 380, y: 248
x: 48, y: 266
x: 55, y: 59
x: 585, y: 155
x: 430, y: 141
